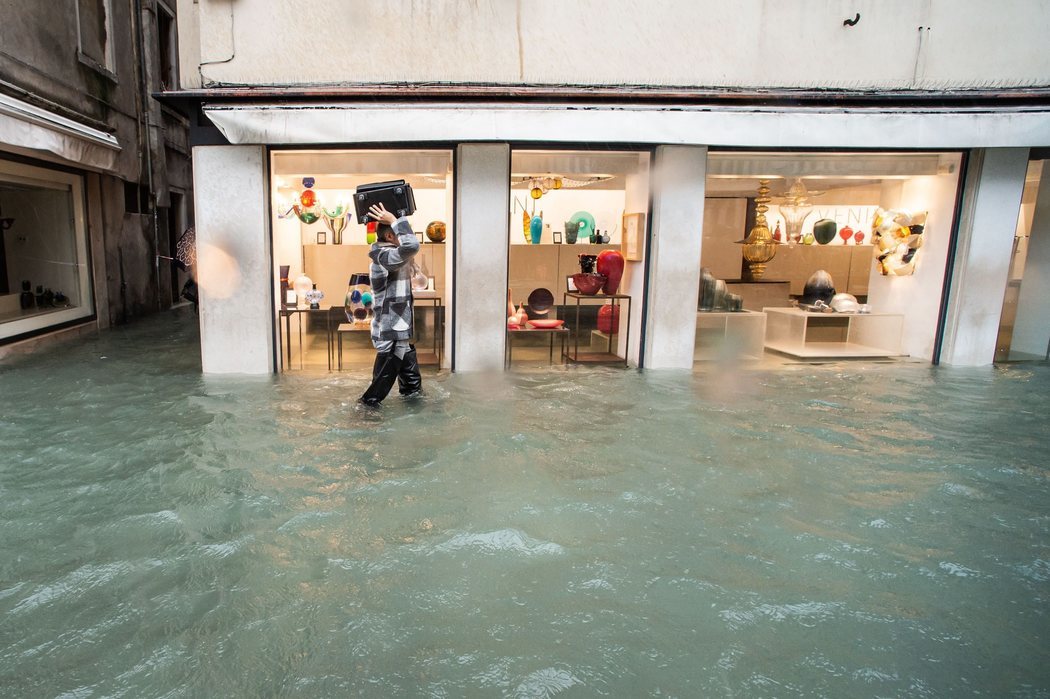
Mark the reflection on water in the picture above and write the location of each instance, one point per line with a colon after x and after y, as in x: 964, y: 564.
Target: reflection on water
x: 843, y: 530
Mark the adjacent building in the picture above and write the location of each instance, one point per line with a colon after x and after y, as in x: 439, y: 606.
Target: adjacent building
x: 668, y: 130
x: 95, y: 181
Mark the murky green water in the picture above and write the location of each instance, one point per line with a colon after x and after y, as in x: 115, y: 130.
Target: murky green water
x: 852, y: 530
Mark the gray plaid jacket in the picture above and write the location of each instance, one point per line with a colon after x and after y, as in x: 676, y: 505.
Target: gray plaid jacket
x: 391, y: 277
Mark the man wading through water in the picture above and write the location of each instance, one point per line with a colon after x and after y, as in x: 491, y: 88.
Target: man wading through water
x: 391, y: 277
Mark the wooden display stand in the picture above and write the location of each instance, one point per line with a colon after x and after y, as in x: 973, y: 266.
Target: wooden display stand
x: 808, y: 335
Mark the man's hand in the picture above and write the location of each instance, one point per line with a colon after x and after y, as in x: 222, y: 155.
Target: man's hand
x: 379, y: 213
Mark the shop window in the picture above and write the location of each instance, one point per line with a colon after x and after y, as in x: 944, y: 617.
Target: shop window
x: 1024, y: 326
x: 318, y: 242
x: 45, y: 279
x: 568, y: 208
x: 94, y: 32
x: 811, y: 256
x: 136, y: 198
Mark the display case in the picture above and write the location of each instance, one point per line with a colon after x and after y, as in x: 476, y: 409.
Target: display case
x: 807, y: 335
x: 725, y: 335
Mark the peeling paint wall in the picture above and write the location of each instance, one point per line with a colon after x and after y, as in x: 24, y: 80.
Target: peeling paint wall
x: 896, y: 44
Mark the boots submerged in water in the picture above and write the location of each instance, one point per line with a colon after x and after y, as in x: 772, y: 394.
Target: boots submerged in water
x: 409, y: 381
x: 384, y: 374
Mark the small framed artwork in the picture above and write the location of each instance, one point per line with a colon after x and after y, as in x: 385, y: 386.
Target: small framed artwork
x: 557, y: 237
x: 633, y: 234
x: 322, y: 238
x: 570, y: 285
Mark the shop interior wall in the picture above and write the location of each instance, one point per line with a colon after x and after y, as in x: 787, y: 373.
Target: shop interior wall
x: 849, y: 265
x: 633, y: 282
x: 330, y: 266
x: 1031, y: 334
x: 558, y: 206
x: 40, y: 246
x: 918, y: 296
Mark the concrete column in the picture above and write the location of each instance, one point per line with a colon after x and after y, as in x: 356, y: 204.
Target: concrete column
x: 991, y: 202
x: 679, y: 183
x: 234, y: 270
x: 480, y: 248
x: 1032, y: 324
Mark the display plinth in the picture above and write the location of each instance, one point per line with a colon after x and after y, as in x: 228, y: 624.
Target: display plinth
x: 729, y: 335
x: 806, y: 335
x: 609, y: 356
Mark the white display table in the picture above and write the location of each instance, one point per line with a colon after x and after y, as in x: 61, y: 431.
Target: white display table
x: 833, y: 335
x: 724, y: 335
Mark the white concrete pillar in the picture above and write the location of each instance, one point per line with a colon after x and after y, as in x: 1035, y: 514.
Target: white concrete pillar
x: 991, y: 202
x: 480, y: 248
x: 1032, y: 324
x: 679, y: 183
x: 234, y: 271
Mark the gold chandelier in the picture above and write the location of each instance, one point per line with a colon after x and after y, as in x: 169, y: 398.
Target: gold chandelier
x: 759, y: 246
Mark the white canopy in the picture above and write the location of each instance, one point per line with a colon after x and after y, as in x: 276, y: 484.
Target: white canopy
x: 29, y: 128
x: 774, y: 127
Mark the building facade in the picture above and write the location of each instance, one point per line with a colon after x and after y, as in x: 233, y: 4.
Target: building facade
x: 95, y: 180
x: 671, y: 137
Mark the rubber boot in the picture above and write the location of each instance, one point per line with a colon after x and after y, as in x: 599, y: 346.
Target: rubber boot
x: 409, y: 381
x: 384, y: 374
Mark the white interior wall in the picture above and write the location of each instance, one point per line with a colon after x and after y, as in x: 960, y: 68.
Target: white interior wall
x: 1032, y: 324
x: 633, y: 281
x: 918, y: 296
x: 41, y: 246
x: 430, y: 206
x: 558, y: 206
x: 991, y: 204
x: 235, y: 273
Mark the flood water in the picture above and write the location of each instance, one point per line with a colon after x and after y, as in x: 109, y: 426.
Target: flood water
x: 838, y: 530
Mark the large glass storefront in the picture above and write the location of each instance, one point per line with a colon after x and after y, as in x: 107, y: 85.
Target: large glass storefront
x: 45, y: 275
x: 811, y: 256
x: 320, y: 251
x: 1024, y: 326
x: 576, y: 272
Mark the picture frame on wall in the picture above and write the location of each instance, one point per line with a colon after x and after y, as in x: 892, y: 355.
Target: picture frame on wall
x: 570, y: 285
x: 322, y: 238
x: 557, y: 237
x: 633, y: 235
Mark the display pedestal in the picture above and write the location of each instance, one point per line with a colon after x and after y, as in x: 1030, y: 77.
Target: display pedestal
x: 725, y: 335
x: 609, y: 353
x: 808, y: 335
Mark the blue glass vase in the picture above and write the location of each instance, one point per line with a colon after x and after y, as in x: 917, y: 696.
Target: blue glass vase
x: 536, y: 229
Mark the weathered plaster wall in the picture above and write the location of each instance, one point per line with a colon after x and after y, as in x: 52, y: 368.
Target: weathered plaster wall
x: 39, y: 64
x: 750, y: 43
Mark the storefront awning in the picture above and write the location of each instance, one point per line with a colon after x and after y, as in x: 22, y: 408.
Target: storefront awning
x: 774, y: 127
x: 26, y: 127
